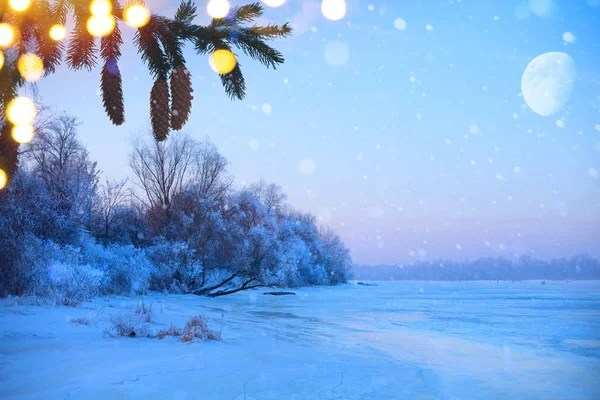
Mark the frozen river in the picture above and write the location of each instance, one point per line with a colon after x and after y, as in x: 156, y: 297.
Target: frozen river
x: 403, y: 340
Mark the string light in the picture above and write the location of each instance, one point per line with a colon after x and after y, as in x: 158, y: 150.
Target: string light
x: 7, y: 35
x: 21, y: 111
x: 218, y: 8
x: 3, y: 179
x: 23, y: 133
x: 19, y: 5
x: 58, y: 32
x: 222, y: 61
x: 30, y: 66
x: 100, y: 8
x: 100, y: 25
x: 136, y: 15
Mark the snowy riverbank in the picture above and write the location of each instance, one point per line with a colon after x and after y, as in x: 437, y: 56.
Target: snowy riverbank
x: 392, y: 341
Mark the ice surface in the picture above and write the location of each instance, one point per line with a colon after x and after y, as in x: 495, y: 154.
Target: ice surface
x: 399, y: 340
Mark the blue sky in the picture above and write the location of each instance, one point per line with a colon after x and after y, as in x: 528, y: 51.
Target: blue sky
x: 413, y: 144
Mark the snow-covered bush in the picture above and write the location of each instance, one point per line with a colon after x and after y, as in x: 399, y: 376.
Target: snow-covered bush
x: 127, y: 325
x: 196, y: 329
x: 69, y: 284
x: 175, y: 267
x: 127, y: 268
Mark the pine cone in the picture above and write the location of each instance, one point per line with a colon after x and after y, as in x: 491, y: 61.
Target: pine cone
x: 8, y: 151
x: 181, y: 90
x: 112, y: 92
x: 159, y: 109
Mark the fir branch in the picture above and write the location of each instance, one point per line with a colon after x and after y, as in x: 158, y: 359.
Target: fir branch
x: 170, y: 41
x: 59, y: 11
x: 234, y: 83
x: 245, y: 13
x: 186, y: 13
x: 255, y: 47
x: 150, y: 50
x: 272, y: 31
x: 82, y: 49
x: 110, y: 45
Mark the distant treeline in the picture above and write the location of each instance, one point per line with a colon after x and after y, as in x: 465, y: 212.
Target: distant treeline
x: 580, y: 267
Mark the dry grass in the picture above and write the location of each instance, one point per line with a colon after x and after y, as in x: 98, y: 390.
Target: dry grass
x: 170, y: 331
x: 145, y: 311
x: 127, y: 325
x: 90, y: 319
x: 197, y: 330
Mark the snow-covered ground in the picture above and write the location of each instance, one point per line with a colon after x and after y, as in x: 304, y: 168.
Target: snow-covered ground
x: 392, y: 341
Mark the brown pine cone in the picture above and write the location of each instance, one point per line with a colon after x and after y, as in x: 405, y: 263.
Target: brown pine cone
x: 181, y: 91
x: 112, y: 92
x: 159, y: 109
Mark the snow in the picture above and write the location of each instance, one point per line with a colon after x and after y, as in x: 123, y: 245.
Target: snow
x: 266, y: 108
x: 412, y: 340
x: 400, y: 24
x: 307, y: 166
x: 568, y: 37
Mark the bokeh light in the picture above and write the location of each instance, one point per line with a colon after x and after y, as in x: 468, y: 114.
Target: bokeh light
x: 136, y: 15
x: 21, y: 111
x: 58, y: 32
x: 222, y: 61
x: 23, y: 133
x: 273, y: 3
x: 217, y: 8
x: 3, y: 179
x: 101, y: 25
x: 7, y: 35
x: 100, y: 7
x: 31, y: 67
x: 333, y: 9
x: 19, y: 5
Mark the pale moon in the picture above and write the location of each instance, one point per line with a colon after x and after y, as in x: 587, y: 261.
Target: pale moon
x: 547, y: 82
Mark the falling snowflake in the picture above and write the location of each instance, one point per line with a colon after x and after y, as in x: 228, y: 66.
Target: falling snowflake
x: 400, y: 24
x: 253, y: 144
x: 266, y: 108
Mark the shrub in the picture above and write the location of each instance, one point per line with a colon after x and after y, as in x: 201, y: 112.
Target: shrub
x: 196, y: 328
x: 68, y: 285
x: 172, y: 330
x: 175, y: 268
x: 127, y: 268
x: 127, y: 325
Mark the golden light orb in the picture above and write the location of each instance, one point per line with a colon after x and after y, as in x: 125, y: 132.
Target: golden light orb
x: 3, y: 179
x: 218, y: 8
x: 30, y: 66
x: 101, y: 25
x: 333, y: 10
x: 100, y: 8
x: 7, y: 35
x: 21, y: 111
x: 136, y: 15
x: 19, y: 5
x: 58, y: 32
x: 23, y: 133
x: 222, y: 61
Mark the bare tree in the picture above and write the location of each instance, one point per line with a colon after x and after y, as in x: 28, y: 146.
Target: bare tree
x: 62, y: 162
x: 110, y: 198
x: 162, y: 170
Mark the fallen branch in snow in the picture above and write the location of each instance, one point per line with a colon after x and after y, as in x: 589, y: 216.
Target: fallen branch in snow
x: 280, y: 293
